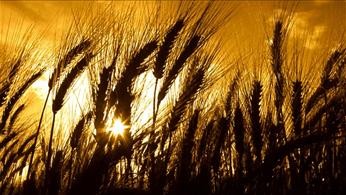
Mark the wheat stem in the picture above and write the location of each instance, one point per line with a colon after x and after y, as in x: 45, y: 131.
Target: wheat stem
x: 49, y: 156
x: 37, y: 135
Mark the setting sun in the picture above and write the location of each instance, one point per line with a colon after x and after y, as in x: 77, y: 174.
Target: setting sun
x: 118, y: 127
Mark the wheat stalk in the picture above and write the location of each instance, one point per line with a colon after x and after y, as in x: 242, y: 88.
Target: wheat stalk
x: 100, y: 99
x: 327, y: 82
x: 6, y: 86
x: 204, y: 139
x: 61, y: 66
x: 185, y: 158
x: 239, y: 132
x: 55, y: 173
x: 63, y: 88
x: 66, y: 60
x: 297, y: 107
x: 14, y: 98
x: 160, y: 64
x: 277, y: 62
x: 188, y: 50
x: 223, y: 127
x: 255, y: 117
x: 14, y: 116
x: 78, y: 130
x: 132, y: 70
x: 59, y: 100
x: 7, y: 139
x: 122, y: 93
x: 166, y: 47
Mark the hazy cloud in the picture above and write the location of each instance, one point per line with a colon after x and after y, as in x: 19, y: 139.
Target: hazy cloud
x: 25, y: 10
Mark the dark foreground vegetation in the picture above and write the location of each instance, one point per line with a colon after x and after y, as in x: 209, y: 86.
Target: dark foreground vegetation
x: 194, y: 141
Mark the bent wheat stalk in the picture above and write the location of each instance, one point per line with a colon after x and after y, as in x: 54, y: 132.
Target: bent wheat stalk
x: 62, y: 64
x: 60, y: 99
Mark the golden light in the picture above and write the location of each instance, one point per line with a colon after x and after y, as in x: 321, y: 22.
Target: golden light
x: 118, y: 127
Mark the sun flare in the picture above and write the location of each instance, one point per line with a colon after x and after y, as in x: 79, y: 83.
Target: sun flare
x: 118, y: 127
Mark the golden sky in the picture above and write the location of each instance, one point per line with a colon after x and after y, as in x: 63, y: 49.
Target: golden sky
x: 317, y: 24
x: 320, y: 18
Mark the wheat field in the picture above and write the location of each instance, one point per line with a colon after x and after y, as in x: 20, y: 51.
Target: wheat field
x: 173, y: 98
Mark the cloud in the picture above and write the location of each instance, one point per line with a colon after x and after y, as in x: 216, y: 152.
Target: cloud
x: 315, y: 37
x: 320, y: 2
x: 25, y: 10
